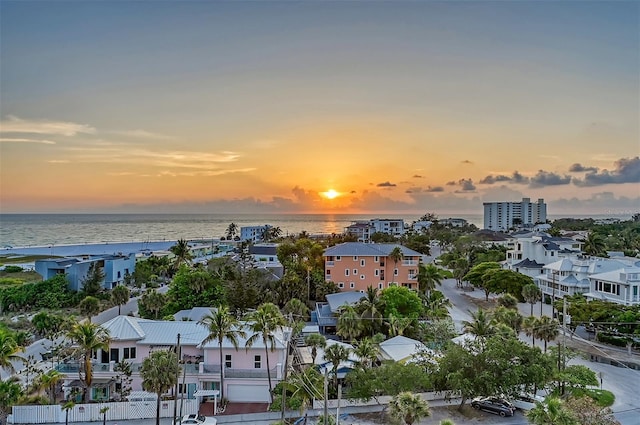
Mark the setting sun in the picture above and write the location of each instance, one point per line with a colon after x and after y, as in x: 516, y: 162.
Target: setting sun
x: 330, y: 194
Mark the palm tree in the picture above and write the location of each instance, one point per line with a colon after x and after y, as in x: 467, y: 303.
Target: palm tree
x: 370, y: 308
x: 297, y: 309
x: 89, y: 306
x: 509, y: 317
x: 264, y: 322
x: 447, y: 422
x: 89, y: 337
x: 480, y: 325
x: 305, y: 385
x: 222, y: 325
x: 428, y: 277
x: 530, y: 326
x: 349, y: 324
x: 182, y: 253
x: 10, y: 393
x: 396, y: 255
x: 435, y: 306
x: 397, y: 325
x: 408, y: 407
x: 66, y: 407
x: 551, y: 412
x: 120, y: 296
x: 367, y: 350
x: 593, y: 244
x: 315, y: 341
x: 158, y: 373
x: 231, y: 231
x: 48, y: 382
x: 8, y: 351
x: 531, y: 294
x: 336, y: 354
x: 153, y: 301
x: 548, y: 330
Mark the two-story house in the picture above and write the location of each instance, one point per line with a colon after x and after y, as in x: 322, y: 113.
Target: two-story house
x: 133, y: 339
x: 531, y: 251
x: 609, y: 279
x: 114, y: 267
x: 356, y: 266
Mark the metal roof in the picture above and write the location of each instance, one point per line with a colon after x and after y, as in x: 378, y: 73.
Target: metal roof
x: 368, y: 249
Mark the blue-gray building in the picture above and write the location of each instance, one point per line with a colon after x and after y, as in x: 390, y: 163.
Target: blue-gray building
x: 114, y: 267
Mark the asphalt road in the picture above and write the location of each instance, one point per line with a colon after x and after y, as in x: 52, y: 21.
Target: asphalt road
x: 622, y: 381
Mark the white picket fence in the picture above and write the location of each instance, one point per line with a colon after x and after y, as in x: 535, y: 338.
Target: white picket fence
x: 48, y: 414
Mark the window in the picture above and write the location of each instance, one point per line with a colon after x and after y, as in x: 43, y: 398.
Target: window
x: 129, y: 353
x: 338, y: 258
x: 227, y: 361
x: 362, y: 263
x: 361, y: 277
x: 352, y: 285
x: 376, y: 272
x: 380, y: 285
x: 346, y: 272
x: 355, y: 258
x: 376, y: 259
x: 395, y: 272
x: 257, y: 363
x: 355, y: 272
x: 328, y: 272
x: 340, y: 285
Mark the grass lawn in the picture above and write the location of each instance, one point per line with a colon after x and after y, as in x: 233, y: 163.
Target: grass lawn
x: 604, y: 398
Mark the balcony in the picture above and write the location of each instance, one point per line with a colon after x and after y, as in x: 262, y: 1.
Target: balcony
x: 329, y: 263
x: 249, y: 373
x: 211, y: 368
x: 410, y: 262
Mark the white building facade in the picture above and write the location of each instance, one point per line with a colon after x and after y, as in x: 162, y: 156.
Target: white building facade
x: 503, y: 216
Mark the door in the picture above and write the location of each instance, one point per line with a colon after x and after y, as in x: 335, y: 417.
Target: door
x: 248, y: 393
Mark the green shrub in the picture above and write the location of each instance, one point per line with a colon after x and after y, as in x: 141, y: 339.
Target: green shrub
x: 4, y: 281
x: 13, y: 269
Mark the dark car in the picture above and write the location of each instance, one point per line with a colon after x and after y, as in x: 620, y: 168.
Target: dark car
x: 494, y: 405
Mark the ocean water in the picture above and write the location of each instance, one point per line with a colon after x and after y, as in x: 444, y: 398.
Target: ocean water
x: 20, y: 230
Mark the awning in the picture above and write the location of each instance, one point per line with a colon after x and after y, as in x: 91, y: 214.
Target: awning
x: 206, y: 393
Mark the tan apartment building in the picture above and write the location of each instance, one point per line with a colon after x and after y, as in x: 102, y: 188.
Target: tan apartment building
x: 354, y: 266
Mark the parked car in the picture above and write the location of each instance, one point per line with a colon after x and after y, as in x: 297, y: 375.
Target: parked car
x: 526, y: 401
x: 495, y: 405
x: 197, y: 420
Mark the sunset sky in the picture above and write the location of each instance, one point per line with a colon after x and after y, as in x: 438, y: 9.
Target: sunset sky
x: 352, y: 107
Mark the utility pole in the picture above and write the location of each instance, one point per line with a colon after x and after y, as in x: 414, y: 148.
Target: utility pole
x: 338, y: 408
x: 175, y: 401
x: 553, y: 297
x: 326, y: 397
x: 564, y: 334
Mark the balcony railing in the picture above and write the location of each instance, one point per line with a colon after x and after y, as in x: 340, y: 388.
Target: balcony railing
x: 211, y: 368
x: 249, y: 373
x: 329, y: 263
x: 192, y: 369
x: 410, y: 262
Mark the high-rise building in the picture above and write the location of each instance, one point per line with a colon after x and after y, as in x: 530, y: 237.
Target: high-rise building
x: 501, y: 216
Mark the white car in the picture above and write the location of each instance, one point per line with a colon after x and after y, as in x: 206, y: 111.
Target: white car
x: 526, y: 401
x: 197, y: 420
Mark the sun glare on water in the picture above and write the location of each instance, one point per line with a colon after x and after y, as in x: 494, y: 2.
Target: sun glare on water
x: 330, y: 194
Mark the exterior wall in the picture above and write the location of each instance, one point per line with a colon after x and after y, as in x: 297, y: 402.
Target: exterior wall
x: 625, y: 289
x: 365, y: 268
x: 393, y: 227
x: 252, y: 233
x: 203, y: 374
x: 501, y: 215
x: 116, y: 269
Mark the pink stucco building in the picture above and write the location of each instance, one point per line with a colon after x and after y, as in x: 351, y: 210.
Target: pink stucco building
x: 354, y: 266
